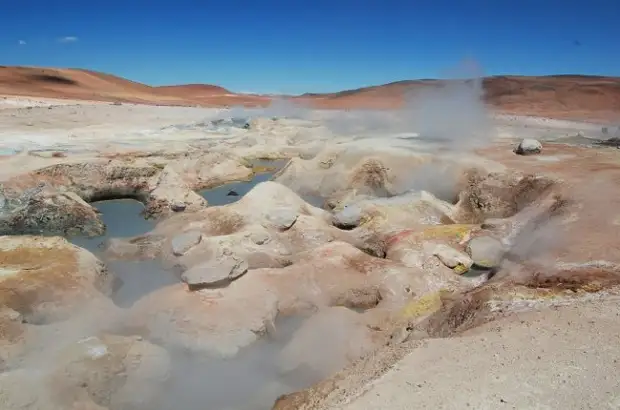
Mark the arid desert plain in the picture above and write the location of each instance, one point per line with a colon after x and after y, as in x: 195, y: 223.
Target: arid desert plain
x: 448, y: 250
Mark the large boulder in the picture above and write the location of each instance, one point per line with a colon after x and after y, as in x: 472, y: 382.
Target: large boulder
x: 213, y: 274
x: 528, y: 146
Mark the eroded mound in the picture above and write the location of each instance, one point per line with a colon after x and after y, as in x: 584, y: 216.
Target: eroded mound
x: 54, y: 199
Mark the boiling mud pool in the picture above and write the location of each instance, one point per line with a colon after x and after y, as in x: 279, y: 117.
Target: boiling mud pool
x: 123, y: 219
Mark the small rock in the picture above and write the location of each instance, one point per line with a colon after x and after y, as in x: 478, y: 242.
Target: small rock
x: 281, y: 218
x: 260, y: 260
x: 11, y: 315
x: 232, y: 192
x: 185, y: 241
x: 400, y: 335
x: 452, y: 258
x: 495, y: 223
x: 178, y: 206
x: 611, y: 142
x: 47, y: 154
x: 460, y: 269
x: 349, y: 217
x: 285, y: 251
x: 486, y: 251
x: 260, y: 238
x: 214, y: 274
x: 528, y: 147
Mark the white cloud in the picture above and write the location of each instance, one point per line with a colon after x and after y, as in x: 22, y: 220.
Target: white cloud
x: 68, y: 39
x: 22, y: 42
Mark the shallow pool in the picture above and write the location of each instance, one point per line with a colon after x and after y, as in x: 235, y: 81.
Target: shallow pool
x: 123, y: 219
x: 232, y: 192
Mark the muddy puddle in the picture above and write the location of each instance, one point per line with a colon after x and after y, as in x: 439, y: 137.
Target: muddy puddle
x: 228, y: 193
x: 123, y: 219
x: 265, y: 169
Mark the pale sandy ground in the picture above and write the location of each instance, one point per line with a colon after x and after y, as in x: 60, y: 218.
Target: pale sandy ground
x: 7, y: 101
x: 39, y: 124
x: 561, y: 358
x: 90, y: 125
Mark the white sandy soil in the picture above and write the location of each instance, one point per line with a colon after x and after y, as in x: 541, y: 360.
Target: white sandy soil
x: 559, y: 358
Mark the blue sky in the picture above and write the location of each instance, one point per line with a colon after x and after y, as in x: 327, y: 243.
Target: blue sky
x: 296, y: 46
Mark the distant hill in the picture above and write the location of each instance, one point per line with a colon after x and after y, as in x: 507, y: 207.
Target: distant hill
x: 80, y: 84
x: 561, y: 96
x: 197, y: 89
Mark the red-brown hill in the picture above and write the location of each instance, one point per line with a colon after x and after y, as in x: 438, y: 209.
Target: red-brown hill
x: 559, y: 96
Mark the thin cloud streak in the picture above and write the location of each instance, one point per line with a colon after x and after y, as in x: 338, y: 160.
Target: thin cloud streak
x: 68, y: 39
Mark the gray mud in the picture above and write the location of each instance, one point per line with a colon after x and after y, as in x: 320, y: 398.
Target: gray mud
x: 122, y: 218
